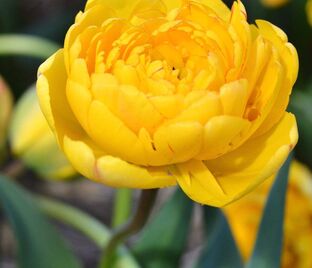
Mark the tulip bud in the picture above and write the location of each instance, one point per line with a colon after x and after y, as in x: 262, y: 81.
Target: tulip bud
x: 33, y: 141
x: 6, y: 102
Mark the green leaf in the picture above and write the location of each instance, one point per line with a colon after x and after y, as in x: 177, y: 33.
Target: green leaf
x: 301, y: 106
x: 39, y: 245
x: 87, y: 225
x: 268, y: 247
x: 220, y: 249
x: 162, y: 242
x: 26, y: 45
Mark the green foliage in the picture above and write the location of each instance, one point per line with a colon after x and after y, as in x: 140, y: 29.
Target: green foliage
x: 162, y: 242
x: 268, y: 247
x: 26, y: 45
x: 220, y: 249
x: 39, y: 245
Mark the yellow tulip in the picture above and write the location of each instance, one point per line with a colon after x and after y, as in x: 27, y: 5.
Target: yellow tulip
x: 274, y: 3
x: 149, y: 94
x: 244, y: 217
x: 33, y: 141
x: 6, y: 103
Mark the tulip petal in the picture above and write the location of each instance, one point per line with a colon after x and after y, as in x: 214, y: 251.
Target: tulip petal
x: 113, y: 136
x: 289, y: 59
x: 77, y: 91
x: 201, y: 109
x: 217, y: 6
x: 287, y: 51
x: 85, y: 156
x: 118, y: 173
x: 179, y: 141
x: 199, y: 183
x: 237, y: 172
x: 233, y: 97
x: 52, y: 97
x: 114, y: 171
x: 221, y: 135
x: 93, y: 17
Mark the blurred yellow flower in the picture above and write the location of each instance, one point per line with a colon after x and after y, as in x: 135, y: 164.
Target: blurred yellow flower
x: 6, y: 103
x: 244, y: 217
x: 148, y: 94
x: 274, y: 3
x: 33, y: 141
x: 309, y: 11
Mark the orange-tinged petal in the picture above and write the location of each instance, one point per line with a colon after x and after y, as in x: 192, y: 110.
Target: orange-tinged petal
x: 261, y: 102
x: 233, y: 97
x: 93, y: 17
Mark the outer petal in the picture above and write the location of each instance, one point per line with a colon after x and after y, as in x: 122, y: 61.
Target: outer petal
x: 51, y: 85
x: 289, y: 60
x: 80, y: 150
x: 114, y: 171
x: 216, y: 5
x: 225, y: 179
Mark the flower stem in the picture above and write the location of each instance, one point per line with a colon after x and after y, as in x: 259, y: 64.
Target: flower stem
x: 134, y: 225
x: 122, y: 206
x: 87, y: 225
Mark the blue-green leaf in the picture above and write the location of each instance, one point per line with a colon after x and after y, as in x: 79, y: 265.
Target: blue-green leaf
x: 39, y: 245
x: 268, y: 247
x: 162, y: 242
x: 220, y: 249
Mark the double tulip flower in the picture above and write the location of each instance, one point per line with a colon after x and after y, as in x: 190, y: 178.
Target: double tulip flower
x: 149, y: 94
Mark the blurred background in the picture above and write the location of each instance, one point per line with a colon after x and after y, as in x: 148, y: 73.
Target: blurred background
x: 51, y: 19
